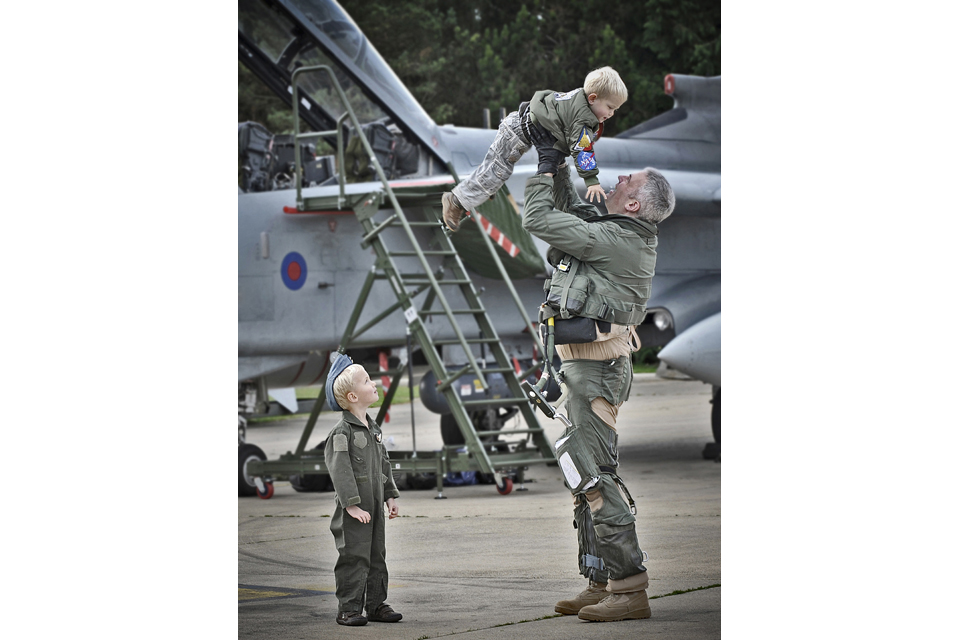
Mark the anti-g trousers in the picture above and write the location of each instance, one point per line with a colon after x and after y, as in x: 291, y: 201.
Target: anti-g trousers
x: 606, y: 528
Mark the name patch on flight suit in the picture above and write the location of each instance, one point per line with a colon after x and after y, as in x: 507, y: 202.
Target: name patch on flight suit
x: 360, y: 440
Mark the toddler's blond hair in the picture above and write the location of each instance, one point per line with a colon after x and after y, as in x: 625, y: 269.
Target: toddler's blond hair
x: 606, y: 83
x: 344, y: 384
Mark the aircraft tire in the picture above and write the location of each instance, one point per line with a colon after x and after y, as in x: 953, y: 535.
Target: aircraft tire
x: 451, y: 434
x: 449, y: 430
x: 715, y: 417
x: 248, y: 452
x: 712, y: 449
x: 311, y: 482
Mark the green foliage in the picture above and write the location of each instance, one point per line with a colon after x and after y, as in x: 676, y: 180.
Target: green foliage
x: 459, y: 56
x: 645, y: 360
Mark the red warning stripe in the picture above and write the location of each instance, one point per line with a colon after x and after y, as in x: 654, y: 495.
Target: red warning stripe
x: 497, y: 236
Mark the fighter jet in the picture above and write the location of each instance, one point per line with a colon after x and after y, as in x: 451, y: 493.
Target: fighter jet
x: 299, y: 272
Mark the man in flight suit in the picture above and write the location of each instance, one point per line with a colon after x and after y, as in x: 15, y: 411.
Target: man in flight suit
x: 603, y: 266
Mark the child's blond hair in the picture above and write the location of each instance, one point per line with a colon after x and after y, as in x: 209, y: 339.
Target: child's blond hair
x: 606, y: 83
x: 344, y: 384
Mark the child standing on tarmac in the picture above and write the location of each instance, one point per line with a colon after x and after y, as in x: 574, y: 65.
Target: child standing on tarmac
x: 360, y: 470
x: 574, y: 120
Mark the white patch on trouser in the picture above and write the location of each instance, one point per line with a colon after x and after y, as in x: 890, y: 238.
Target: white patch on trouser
x: 570, y: 471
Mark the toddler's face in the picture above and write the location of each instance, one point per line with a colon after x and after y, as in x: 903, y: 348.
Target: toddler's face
x: 603, y: 108
x: 365, y: 388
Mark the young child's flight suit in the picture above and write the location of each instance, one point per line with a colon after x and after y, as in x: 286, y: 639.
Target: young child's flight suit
x: 566, y: 116
x: 360, y: 470
x: 604, y: 267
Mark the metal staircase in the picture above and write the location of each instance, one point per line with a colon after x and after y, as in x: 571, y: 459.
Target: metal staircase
x: 417, y: 260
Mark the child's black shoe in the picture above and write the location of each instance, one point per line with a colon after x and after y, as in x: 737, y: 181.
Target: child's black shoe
x: 351, y: 619
x: 384, y: 613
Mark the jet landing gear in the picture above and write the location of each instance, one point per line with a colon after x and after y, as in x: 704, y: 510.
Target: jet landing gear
x: 249, y: 485
x: 712, y: 450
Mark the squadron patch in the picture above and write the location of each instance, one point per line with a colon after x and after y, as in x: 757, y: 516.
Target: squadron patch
x: 586, y: 161
x: 360, y: 440
x: 340, y: 442
x: 584, y: 142
x: 378, y: 437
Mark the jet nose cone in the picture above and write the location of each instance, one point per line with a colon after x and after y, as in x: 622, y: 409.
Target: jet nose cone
x: 696, y: 351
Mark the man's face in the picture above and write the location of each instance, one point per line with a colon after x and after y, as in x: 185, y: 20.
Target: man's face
x: 618, y: 200
x: 603, y: 108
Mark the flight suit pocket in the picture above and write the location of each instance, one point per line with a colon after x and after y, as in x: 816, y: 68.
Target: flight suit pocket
x: 576, y: 294
x: 578, y: 467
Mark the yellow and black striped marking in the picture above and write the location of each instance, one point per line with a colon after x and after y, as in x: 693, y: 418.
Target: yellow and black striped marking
x: 256, y: 593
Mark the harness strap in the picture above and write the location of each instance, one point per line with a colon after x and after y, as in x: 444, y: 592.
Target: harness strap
x: 575, y: 264
x: 613, y: 472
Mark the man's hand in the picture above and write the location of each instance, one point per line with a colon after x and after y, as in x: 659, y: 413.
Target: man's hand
x: 394, y: 509
x: 549, y: 158
x: 596, y: 190
x: 358, y: 513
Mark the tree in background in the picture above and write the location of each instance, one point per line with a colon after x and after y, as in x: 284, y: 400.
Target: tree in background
x: 458, y: 57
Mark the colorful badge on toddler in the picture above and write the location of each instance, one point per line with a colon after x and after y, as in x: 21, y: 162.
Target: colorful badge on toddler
x: 586, y: 161
x: 339, y: 365
x: 584, y: 143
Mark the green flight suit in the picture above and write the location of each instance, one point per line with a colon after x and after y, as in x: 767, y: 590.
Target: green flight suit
x: 616, y: 258
x: 568, y: 118
x: 360, y: 470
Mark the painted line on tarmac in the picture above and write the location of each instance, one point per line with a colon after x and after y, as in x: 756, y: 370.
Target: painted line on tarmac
x: 256, y: 593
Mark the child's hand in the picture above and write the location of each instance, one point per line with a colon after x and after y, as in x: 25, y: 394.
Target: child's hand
x: 596, y: 190
x: 394, y: 509
x: 358, y: 513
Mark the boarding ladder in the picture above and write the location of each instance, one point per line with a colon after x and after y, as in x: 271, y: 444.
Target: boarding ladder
x: 410, y: 219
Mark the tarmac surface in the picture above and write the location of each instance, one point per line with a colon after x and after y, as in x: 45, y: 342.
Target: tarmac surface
x: 482, y: 566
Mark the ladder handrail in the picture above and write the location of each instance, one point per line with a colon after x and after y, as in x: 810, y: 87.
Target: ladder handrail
x: 389, y: 191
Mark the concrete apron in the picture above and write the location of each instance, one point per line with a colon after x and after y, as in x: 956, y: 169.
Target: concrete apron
x: 483, y: 565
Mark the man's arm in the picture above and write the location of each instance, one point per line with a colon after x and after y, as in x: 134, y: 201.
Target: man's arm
x: 565, y: 196
x: 566, y: 232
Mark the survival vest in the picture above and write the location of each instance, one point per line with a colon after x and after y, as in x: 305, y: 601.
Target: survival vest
x: 578, y: 289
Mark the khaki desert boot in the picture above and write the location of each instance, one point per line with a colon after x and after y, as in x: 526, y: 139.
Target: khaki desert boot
x: 452, y: 213
x: 618, y: 606
x: 593, y: 594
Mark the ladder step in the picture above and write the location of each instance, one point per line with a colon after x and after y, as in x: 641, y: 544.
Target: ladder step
x: 422, y: 280
x: 469, y: 341
x: 441, y: 312
x: 435, y: 223
x: 496, y: 369
x: 508, y: 433
x: 494, y: 401
x: 426, y: 253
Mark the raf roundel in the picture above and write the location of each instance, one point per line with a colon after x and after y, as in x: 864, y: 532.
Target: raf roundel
x: 293, y: 270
